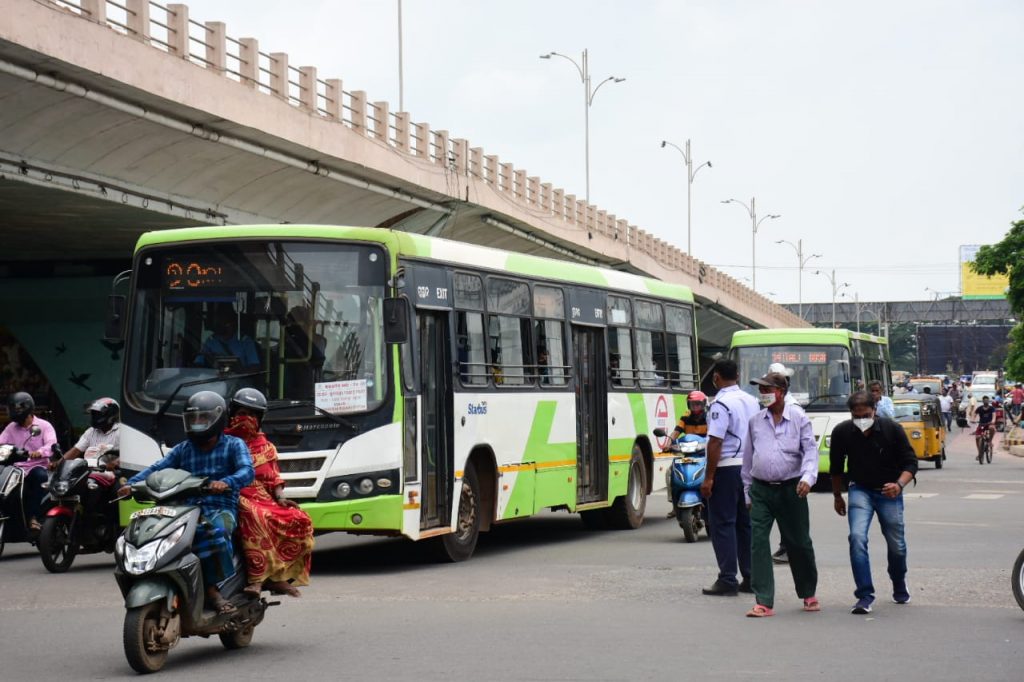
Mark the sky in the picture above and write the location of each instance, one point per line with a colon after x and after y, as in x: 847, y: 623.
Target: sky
x: 885, y: 133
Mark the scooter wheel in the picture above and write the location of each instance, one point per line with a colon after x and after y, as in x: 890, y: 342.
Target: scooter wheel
x: 140, y: 646
x: 237, y: 639
x: 688, y: 521
x: 1017, y: 579
x: 57, y: 548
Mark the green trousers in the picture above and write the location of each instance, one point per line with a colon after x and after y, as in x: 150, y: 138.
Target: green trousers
x: 780, y: 503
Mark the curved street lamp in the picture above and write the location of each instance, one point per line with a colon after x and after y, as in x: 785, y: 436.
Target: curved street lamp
x: 799, y: 248
x: 835, y: 290
x: 691, y: 172
x: 755, y: 223
x: 583, y: 68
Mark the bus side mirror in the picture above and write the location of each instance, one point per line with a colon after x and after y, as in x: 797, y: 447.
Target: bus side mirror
x: 114, y: 328
x: 856, y: 367
x: 396, y: 320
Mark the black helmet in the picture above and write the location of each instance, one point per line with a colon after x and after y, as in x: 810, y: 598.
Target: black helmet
x: 20, y: 405
x: 104, y: 413
x: 204, y: 416
x: 250, y: 399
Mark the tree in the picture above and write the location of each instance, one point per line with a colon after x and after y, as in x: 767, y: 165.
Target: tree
x: 1003, y: 259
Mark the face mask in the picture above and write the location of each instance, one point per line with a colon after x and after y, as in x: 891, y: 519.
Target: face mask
x: 767, y: 399
x: 245, y: 427
x: 864, y: 423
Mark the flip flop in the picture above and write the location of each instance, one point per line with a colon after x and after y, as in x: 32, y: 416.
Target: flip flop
x: 35, y: 526
x: 222, y: 606
x: 252, y: 590
x: 812, y: 604
x: 760, y: 611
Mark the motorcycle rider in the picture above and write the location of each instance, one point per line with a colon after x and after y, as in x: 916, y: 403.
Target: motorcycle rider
x: 36, y: 435
x: 103, y: 434
x: 693, y: 422
x: 225, y: 460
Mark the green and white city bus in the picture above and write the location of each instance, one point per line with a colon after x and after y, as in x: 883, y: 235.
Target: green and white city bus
x: 417, y: 386
x: 827, y: 365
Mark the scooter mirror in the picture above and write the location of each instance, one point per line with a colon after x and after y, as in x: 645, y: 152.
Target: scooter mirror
x: 660, y: 432
x: 34, y: 431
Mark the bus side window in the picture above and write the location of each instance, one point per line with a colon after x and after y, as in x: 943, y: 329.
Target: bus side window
x: 620, y: 356
x: 470, y: 357
x: 550, y: 352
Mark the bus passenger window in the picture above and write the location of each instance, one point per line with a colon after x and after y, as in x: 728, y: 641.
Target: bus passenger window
x: 472, y: 362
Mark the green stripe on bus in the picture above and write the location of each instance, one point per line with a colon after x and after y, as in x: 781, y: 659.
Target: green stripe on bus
x: 374, y: 513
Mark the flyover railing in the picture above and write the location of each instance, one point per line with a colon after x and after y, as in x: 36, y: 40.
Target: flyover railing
x: 170, y: 28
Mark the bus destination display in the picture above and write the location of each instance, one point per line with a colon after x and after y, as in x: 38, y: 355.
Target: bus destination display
x: 184, y: 274
x: 800, y: 357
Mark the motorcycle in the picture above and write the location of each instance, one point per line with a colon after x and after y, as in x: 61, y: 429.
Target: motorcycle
x: 82, y: 519
x: 14, y: 522
x: 1000, y: 418
x: 161, y: 579
x: 685, y: 478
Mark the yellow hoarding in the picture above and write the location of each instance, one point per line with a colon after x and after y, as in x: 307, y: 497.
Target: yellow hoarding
x: 973, y: 285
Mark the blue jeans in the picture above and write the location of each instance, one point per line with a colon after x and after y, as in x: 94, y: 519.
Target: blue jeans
x: 863, y: 504
x: 948, y: 416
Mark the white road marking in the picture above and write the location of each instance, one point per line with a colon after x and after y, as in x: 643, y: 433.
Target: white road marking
x: 952, y: 523
x: 918, y: 496
x: 981, y: 496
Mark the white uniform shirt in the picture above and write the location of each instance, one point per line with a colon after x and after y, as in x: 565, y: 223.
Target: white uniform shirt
x: 729, y: 419
x: 93, y: 438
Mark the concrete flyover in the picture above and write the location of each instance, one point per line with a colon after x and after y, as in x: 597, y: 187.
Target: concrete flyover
x: 119, y: 117
x: 944, y: 311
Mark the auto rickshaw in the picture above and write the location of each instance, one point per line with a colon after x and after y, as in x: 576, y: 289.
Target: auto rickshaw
x: 920, y: 415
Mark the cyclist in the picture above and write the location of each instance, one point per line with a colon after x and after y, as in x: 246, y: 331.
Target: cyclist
x: 985, y: 413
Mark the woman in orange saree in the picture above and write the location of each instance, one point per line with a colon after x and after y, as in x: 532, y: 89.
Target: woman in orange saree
x: 277, y: 536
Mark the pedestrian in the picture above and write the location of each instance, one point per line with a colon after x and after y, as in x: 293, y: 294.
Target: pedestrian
x: 881, y: 463
x: 728, y: 516
x: 946, y: 407
x: 780, y: 464
x: 883, y: 403
x: 780, y: 556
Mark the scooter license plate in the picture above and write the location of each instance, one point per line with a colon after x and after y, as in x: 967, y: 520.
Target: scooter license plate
x: 155, y: 511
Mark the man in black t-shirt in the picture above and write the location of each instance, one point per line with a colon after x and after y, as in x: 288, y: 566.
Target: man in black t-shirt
x: 881, y: 463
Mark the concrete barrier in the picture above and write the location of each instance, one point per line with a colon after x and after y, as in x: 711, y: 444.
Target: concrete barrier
x: 1017, y: 450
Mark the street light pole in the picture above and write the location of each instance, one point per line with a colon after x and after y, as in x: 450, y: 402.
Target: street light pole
x: 691, y: 172
x: 835, y: 290
x: 799, y: 248
x: 401, y: 83
x: 583, y: 68
x: 755, y: 223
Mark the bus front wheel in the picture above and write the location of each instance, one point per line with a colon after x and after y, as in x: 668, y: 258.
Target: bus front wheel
x: 627, y: 512
x: 459, y: 544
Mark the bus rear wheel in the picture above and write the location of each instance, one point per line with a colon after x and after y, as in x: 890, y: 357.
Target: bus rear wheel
x: 627, y: 512
x: 460, y: 544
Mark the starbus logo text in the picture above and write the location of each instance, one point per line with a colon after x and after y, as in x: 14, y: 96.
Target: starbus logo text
x: 477, y: 408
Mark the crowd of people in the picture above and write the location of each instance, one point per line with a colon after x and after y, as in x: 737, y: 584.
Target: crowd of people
x: 224, y: 443
x: 762, y: 461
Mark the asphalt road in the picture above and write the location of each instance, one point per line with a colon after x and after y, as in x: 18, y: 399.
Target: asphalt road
x: 545, y: 599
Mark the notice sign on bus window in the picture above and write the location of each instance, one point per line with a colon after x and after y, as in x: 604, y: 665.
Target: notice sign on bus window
x: 800, y: 357
x: 339, y: 397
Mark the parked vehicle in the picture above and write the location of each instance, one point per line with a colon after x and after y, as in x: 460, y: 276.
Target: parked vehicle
x: 161, y: 579
x: 921, y: 419
x: 82, y: 519
x: 685, y: 478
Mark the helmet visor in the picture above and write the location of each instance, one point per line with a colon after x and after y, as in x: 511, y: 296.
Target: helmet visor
x: 199, y: 421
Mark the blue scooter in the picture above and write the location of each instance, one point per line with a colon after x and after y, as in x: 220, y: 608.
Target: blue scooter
x: 685, y: 478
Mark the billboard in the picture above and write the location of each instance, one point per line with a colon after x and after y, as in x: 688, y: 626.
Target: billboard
x: 975, y: 286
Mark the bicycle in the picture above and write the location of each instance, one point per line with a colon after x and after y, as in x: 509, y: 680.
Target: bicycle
x: 985, y: 446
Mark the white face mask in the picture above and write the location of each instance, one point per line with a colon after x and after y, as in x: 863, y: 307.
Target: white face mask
x: 767, y: 399
x: 864, y: 424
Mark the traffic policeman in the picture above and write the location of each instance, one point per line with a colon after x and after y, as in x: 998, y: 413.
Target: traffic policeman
x: 729, y: 520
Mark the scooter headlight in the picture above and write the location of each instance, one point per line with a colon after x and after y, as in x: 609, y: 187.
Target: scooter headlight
x: 60, y: 487
x: 139, y: 560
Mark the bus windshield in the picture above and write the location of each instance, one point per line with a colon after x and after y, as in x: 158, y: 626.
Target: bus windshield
x: 820, y: 380
x: 300, y: 321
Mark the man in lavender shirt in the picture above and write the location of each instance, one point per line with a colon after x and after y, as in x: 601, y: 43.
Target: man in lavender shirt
x: 780, y: 464
x: 36, y: 435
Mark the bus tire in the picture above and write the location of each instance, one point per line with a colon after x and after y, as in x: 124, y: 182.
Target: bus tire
x: 627, y: 512
x: 459, y: 544
x: 1017, y: 579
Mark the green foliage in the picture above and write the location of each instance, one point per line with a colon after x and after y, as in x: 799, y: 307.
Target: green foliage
x: 1002, y: 259
x: 1015, y: 355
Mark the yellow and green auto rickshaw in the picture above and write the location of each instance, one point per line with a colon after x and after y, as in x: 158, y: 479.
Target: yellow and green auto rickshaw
x: 921, y: 418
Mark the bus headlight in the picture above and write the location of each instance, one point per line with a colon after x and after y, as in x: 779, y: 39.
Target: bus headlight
x: 828, y: 442
x: 343, y: 490
x: 365, y: 486
x: 915, y: 434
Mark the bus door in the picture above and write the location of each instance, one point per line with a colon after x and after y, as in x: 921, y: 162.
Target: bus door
x: 435, y: 418
x: 591, y: 414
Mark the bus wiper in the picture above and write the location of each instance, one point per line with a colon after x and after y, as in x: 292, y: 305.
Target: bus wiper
x: 195, y: 382
x: 822, y: 397
x: 340, y: 421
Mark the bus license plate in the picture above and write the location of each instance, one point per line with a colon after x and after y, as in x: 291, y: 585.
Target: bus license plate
x: 155, y: 511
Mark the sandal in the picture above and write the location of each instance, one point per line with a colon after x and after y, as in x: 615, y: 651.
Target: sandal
x: 253, y: 589
x: 222, y: 605
x: 35, y: 526
x: 812, y: 604
x: 760, y: 611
